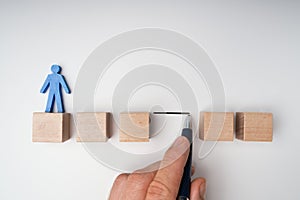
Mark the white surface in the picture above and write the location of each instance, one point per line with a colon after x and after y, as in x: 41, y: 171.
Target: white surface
x: 255, y: 47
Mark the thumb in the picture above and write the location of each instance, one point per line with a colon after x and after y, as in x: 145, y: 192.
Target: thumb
x: 198, y: 189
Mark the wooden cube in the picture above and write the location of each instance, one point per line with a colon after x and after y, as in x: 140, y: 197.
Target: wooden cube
x: 93, y: 126
x: 254, y: 126
x: 50, y: 127
x: 134, y: 127
x: 217, y: 126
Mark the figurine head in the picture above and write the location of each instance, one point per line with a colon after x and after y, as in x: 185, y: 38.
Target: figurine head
x: 55, y: 69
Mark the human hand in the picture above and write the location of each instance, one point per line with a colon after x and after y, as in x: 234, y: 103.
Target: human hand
x: 161, y: 184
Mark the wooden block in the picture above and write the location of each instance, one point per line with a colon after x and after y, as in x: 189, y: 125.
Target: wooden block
x: 50, y: 127
x: 217, y: 126
x: 93, y: 127
x: 134, y: 127
x: 254, y: 126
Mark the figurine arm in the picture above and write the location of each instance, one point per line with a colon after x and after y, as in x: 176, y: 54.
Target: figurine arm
x: 45, y: 85
x: 64, y: 84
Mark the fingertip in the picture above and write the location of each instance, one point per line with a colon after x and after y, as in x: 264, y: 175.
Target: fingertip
x: 198, y: 189
x: 118, y: 186
x: 122, y: 177
x: 179, y: 147
x: 181, y: 142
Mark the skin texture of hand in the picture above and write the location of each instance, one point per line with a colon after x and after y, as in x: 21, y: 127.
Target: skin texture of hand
x: 161, y: 184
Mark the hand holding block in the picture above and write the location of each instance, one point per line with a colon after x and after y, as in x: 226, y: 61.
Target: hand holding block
x: 50, y: 127
x: 254, y: 126
x: 134, y: 127
x: 93, y: 127
x: 217, y: 126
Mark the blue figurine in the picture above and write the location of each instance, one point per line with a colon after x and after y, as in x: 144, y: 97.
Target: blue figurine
x: 55, y: 81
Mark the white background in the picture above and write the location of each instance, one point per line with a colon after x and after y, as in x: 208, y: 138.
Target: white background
x: 255, y: 46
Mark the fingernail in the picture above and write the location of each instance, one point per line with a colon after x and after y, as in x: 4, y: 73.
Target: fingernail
x: 177, y: 149
x: 203, y: 191
x: 181, y: 143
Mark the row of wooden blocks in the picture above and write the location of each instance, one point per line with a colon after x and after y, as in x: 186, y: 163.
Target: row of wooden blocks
x: 134, y: 127
x: 249, y: 126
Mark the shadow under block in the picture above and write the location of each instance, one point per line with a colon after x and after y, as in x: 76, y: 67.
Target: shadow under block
x: 254, y: 126
x: 93, y: 126
x: 134, y: 127
x: 50, y: 127
x: 217, y: 126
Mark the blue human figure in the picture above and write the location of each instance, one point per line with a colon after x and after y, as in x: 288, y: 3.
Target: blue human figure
x: 55, y: 81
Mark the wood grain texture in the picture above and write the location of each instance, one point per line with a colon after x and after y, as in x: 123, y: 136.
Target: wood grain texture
x: 50, y: 127
x: 134, y: 127
x: 93, y: 126
x: 217, y: 126
x: 254, y: 126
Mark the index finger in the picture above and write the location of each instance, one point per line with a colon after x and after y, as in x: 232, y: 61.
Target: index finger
x: 167, y: 180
